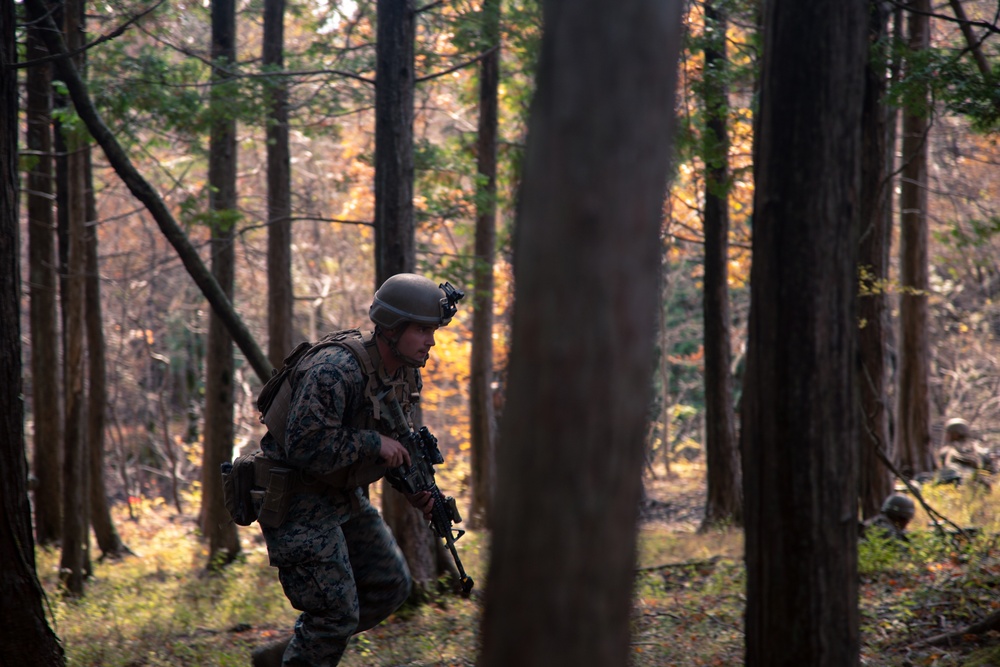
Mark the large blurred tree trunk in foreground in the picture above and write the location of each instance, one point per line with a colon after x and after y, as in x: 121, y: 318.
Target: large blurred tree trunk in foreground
x: 586, y: 261
x: 799, y: 429
x: 25, y: 636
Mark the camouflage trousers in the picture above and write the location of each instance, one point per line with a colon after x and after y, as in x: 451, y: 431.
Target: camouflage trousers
x: 365, y: 580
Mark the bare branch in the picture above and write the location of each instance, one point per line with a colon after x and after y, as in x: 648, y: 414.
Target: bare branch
x: 472, y: 61
x: 970, y: 39
x: 990, y: 27
x: 117, y: 32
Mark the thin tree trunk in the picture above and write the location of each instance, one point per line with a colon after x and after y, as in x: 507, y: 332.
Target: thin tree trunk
x: 76, y: 524
x: 482, y: 421
x: 43, y: 286
x: 280, y: 295
x: 913, y: 440
x: 875, y: 482
x: 395, y: 250
x: 25, y: 636
x: 799, y: 412
x: 107, y: 536
x: 586, y: 261
x: 724, y: 493
x: 223, y: 539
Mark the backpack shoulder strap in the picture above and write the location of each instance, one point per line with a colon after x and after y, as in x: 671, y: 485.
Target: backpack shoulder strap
x: 365, y: 351
x: 278, y: 386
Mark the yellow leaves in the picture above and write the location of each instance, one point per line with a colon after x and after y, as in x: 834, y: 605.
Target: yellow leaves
x: 145, y: 335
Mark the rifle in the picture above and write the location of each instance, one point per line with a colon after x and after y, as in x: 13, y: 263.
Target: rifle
x: 424, y: 454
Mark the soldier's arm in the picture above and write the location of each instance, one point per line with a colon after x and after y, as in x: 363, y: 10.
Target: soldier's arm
x: 319, y: 438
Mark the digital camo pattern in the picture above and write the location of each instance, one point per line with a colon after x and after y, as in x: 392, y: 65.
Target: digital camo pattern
x: 881, y: 524
x: 364, y: 580
x: 327, y: 405
x: 337, y: 560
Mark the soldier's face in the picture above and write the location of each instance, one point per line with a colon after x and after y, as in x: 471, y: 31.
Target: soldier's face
x: 416, y: 342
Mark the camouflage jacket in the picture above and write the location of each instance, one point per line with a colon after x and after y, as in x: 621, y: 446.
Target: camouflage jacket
x: 882, y: 524
x: 330, y: 427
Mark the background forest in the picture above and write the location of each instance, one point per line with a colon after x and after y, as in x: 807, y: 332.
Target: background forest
x: 243, y: 155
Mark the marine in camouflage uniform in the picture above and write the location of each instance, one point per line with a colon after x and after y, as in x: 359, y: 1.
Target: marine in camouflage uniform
x: 896, y: 513
x: 962, y: 457
x: 337, y: 560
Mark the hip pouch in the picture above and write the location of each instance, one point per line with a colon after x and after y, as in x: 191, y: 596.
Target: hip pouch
x: 278, y: 497
x: 238, y: 489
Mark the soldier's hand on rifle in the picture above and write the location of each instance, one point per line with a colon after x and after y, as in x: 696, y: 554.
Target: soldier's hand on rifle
x: 423, y: 501
x: 393, y: 453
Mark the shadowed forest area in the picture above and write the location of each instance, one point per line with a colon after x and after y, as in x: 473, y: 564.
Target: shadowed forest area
x: 732, y: 268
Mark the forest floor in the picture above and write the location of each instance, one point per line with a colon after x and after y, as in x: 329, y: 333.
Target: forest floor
x: 160, y: 608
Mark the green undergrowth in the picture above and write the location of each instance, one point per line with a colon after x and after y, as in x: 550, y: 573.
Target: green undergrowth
x: 160, y: 607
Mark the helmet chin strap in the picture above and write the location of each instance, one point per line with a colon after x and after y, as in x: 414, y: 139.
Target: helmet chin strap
x: 393, y: 344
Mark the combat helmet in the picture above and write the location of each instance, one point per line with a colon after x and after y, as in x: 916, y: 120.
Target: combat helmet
x: 898, y: 508
x: 408, y: 297
x: 957, y: 428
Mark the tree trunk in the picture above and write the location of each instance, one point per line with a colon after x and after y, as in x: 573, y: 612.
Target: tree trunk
x: 799, y: 429
x: 217, y: 525
x: 107, y: 536
x: 76, y: 524
x: 482, y: 421
x: 724, y: 493
x: 25, y: 634
x: 913, y: 439
x: 45, y: 402
x: 280, y: 296
x: 875, y: 482
x: 586, y: 261
x: 395, y: 250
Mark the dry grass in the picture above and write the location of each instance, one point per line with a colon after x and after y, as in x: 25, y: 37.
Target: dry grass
x: 160, y: 608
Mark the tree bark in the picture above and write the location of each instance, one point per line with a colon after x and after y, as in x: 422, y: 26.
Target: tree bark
x: 724, y: 492
x: 43, y: 286
x: 586, y: 261
x: 280, y: 296
x: 217, y: 525
x: 482, y: 420
x: 73, y: 564
x: 395, y: 249
x: 105, y: 532
x: 799, y: 413
x: 875, y: 480
x: 145, y: 193
x: 25, y: 636
x: 913, y: 439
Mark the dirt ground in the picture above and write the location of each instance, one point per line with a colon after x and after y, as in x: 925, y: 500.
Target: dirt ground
x: 674, y: 500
